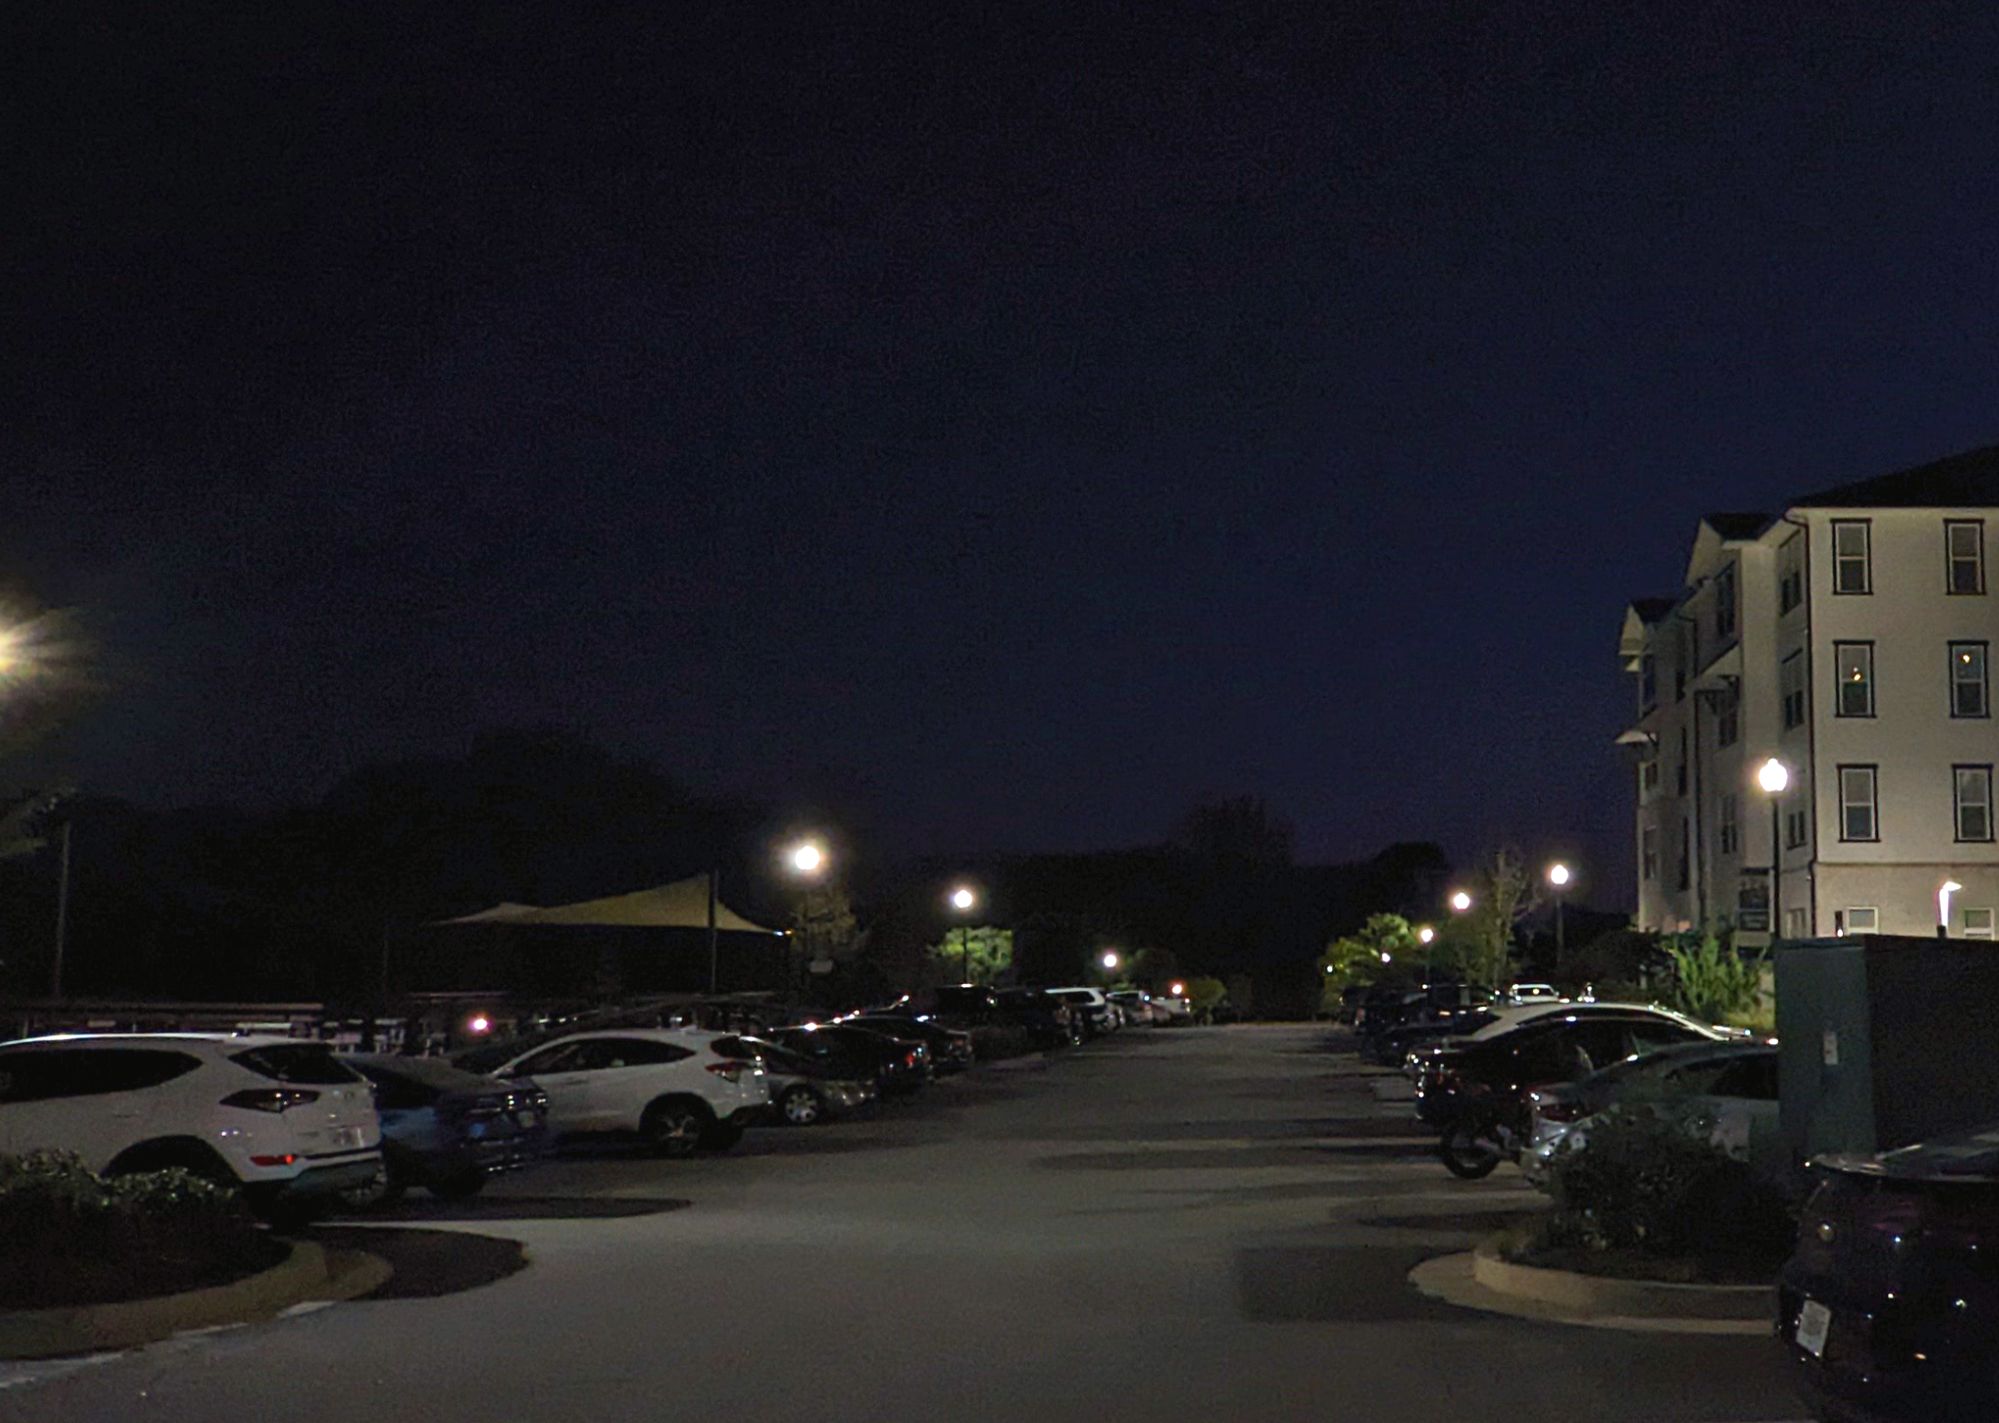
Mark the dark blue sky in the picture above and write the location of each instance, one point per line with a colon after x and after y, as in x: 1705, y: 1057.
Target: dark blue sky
x: 1031, y: 416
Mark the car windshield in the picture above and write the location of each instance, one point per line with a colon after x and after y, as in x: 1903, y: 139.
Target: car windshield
x: 309, y: 1063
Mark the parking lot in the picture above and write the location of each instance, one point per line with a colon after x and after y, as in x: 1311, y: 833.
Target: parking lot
x: 1208, y: 1222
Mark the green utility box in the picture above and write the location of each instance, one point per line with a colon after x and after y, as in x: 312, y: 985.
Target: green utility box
x: 1885, y: 1040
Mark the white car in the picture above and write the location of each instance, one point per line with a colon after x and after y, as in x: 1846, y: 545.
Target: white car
x: 1102, y: 1015
x: 670, y: 1085
x: 1521, y: 993
x: 285, y: 1120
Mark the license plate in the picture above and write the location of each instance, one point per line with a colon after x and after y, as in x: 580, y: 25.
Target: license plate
x: 346, y: 1138
x: 1814, y: 1320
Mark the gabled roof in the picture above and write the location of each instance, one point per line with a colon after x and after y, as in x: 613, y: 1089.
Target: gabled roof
x: 1965, y: 481
x: 1653, y: 610
x: 1738, y: 527
x: 1641, y: 614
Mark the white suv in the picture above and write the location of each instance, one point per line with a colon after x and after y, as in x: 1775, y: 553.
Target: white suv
x: 285, y: 1120
x: 670, y: 1085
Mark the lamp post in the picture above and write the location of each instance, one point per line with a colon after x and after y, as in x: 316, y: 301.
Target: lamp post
x: 807, y: 860
x: 1773, y: 776
x: 964, y: 899
x: 1559, y: 877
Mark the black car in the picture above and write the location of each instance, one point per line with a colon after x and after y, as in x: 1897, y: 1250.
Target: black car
x: 1046, y: 1018
x: 1889, y: 1305
x: 448, y: 1130
x: 950, y: 1048
x: 805, y: 1090
x: 1564, y: 1046
x: 895, y: 1064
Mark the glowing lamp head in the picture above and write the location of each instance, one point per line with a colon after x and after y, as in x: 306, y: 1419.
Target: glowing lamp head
x: 1559, y: 876
x: 479, y: 1023
x: 1177, y: 989
x: 808, y: 858
x: 1944, y: 892
x: 963, y: 899
x: 1110, y: 960
x: 1425, y: 934
x: 1461, y: 901
x: 1387, y: 957
x: 1773, y: 776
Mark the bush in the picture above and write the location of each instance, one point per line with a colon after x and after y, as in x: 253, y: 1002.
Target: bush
x: 1712, y: 982
x: 68, y: 1236
x: 1650, y: 1181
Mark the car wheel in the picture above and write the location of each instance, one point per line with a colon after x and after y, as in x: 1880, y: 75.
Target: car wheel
x: 459, y: 1185
x: 675, y: 1127
x: 1467, y: 1153
x: 384, y: 1190
x: 801, y: 1107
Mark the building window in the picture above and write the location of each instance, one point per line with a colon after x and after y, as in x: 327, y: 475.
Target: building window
x: 1964, y: 551
x: 1791, y: 684
x: 1731, y: 825
x: 1728, y: 720
x: 1974, y: 802
x: 1852, y: 556
x: 1794, y: 827
x: 1680, y: 680
x: 1680, y: 773
x: 1853, y: 666
x: 1650, y: 779
x: 1857, y: 818
x: 1863, y: 921
x: 1724, y: 604
x: 1791, y: 574
x: 1648, y: 682
x: 1969, y: 691
x: 1978, y: 923
x: 1648, y: 852
x: 1685, y: 876
x: 1794, y: 924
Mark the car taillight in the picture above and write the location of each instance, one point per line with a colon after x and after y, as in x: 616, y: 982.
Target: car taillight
x: 285, y: 1160
x: 270, y: 1099
x: 729, y: 1071
x: 910, y: 1058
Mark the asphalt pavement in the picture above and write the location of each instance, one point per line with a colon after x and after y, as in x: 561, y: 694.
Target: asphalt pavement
x: 1206, y: 1223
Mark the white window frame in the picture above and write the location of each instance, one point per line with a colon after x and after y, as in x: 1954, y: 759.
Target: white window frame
x: 1952, y: 558
x: 1862, y: 656
x: 1979, y: 776
x: 1873, y: 914
x: 1843, y: 560
x: 1795, y: 923
x: 1981, y: 928
x: 1872, y: 774
x: 1983, y: 681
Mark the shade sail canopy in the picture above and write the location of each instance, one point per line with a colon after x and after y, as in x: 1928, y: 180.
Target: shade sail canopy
x: 680, y: 905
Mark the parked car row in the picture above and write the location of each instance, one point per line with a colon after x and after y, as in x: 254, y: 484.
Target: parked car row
x: 302, y: 1130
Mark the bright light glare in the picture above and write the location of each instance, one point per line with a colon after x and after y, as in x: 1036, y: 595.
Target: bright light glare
x: 1110, y: 960
x: 1386, y: 957
x: 1558, y: 874
x: 808, y: 858
x: 13, y: 653
x: 1944, y: 892
x: 1425, y: 934
x: 1461, y: 901
x: 963, y: 898
x: 1773, y: 776
x: 480, y: 1024
x: 1178, y: 989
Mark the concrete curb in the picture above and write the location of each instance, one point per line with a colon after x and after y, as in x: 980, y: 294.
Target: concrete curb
x: 1481, y: 1279
x: 309, y: 1273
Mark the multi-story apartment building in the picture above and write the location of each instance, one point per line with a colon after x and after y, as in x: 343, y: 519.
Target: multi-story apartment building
x: 1850, y: 637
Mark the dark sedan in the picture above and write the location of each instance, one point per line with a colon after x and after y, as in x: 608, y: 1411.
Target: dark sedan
x: 1558, y: 1047
x: 1889, y: 1307
x: 446, y: 1129
x: 895, y: 1064
x: 805, y: 1090
x: 950, y: 1048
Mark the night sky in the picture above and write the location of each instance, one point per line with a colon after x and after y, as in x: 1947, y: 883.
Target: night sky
x: 1020, y: 419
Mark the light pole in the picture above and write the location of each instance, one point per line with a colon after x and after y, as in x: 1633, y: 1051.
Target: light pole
x: 808, y: 861
x: 964, y: 900
x: 1774, y: 776
x: 1558, y: 879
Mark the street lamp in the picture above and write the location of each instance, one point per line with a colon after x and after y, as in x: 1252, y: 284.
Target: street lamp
x: 964, y: 899
x: 13, y: 650
x: 1425, y: 934
x: 1559, y: 876
x: 808, y: 861
x: 1774, y: 777
x: 1177, y: 988
x: 1460, y: 902
x: 1944, y: 892
x: 808, y: 857
x: 1110, y: 961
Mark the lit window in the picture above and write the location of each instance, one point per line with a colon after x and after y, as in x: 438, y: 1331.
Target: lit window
x: 1791, y: 684
x: 1857, y: 818
x: 1863, y: 921
x: 1724, y: 604
x: 1853, y: 667
x: 1974, y: 802
x: 1968, y: 687
x: 1791, y: 574
x: 1978, y: 923
x: 1852, y: 559
x: 1964, y: 550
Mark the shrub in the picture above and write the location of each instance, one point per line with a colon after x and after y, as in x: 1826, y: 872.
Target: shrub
x: 1710, y: 981
x: 68, y: 1236
x: 1650, y: 1180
